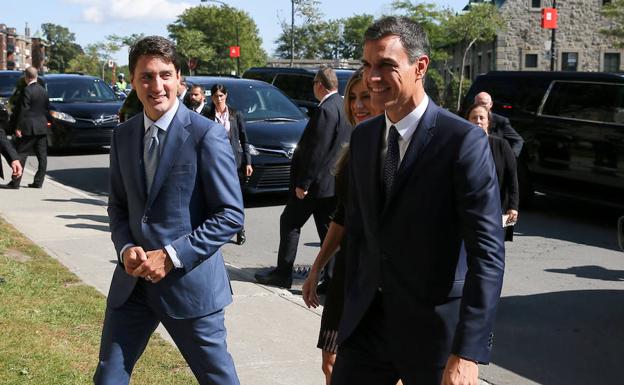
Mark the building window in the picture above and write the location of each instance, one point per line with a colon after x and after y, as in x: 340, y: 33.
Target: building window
x: 536, y: 3
x: 479, y: 64
x: 489, y: 65
x: 569, y: 61
x: 605, y: 2
x: 530, y: 60
x: 611, y: 62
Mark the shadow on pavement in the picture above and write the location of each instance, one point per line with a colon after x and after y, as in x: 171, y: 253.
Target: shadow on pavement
x: 78, y: 151
x: 95, y: 202
x: 592, y: 272
x: 576, y: 222
x: 93, y: 180
x: 562, y: 338
x: 94, y: 218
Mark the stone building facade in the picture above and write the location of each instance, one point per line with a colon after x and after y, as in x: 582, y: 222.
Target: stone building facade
x: 17, y: 52
x: 525, y: 46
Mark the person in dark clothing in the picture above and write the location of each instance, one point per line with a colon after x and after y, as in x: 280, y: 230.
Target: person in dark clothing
x: 358, y: 107
x: 234, y: 124
x: 196, y: 100
x: 500, y: 125
x: 30, y: 126
x: 311, y: 181
x: 505, y: 164
x: 10, y: 154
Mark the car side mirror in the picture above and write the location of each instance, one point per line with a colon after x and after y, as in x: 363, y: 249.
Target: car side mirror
x: 304, y: 110
x: 620, y: 232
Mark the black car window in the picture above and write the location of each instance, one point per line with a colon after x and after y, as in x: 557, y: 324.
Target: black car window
x: 299, y: 87
x: 8, y: 83
x: 79, y: 90
x: 597, y: 102
x: 258, y: 101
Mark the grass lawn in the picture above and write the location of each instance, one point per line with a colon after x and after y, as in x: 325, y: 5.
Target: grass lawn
x: 50, y: 324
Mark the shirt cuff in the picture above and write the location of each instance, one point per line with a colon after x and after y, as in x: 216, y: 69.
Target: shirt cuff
x: 126, y: 246
x: 173, y: 255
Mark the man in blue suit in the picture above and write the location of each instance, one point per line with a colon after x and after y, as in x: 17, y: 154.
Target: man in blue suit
x: 425, y: 255
x: 174, y: 200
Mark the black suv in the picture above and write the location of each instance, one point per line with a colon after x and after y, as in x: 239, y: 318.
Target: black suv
x: 84, y: 110
x: 274, y: 125
x: 296, y: 82
x: 573, y: 129
x: 8, y: 82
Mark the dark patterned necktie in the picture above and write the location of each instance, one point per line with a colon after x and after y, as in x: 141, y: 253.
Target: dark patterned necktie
x: 391, y: 163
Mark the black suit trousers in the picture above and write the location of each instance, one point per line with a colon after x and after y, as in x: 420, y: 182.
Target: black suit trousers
x: 37, y: 144
x: 295, y: 215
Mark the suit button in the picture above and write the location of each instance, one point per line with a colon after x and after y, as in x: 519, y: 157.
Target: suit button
x: 144, y: 219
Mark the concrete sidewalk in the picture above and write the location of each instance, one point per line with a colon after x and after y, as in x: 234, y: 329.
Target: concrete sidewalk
x: 272, y: 334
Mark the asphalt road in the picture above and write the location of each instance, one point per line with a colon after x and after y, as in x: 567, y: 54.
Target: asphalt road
x: 561, y: 315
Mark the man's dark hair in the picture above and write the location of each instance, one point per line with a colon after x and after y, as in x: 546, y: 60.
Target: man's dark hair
x: 201, y: 88
x: 410, y: 33
x: 153, y: 46
x: 327, y: 76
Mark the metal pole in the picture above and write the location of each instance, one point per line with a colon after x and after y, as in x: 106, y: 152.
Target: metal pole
x: 238, y: 71
x: 552, y: 43
x: 292, y: 33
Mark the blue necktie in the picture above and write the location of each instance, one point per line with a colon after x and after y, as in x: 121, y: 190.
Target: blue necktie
x: 391, y: 162
x: 150, y: 154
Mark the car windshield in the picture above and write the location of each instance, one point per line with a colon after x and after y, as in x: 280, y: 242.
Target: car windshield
x: 8, y: 83
x: 257, y: 101
x: 79, y: 90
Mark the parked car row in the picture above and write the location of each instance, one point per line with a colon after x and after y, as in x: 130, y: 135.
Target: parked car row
x: 573, y: 127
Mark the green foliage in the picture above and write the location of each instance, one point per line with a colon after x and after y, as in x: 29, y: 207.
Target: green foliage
x: 62, y: 48
x: 87, y: 62
x: 614, y: 11
x: 352, y: 42
x: 192, y: 45
x: 219, y: 26
x: 51, y: 324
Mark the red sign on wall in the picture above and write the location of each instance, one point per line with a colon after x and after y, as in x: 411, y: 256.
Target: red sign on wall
x: 234, y: 51
x: 549, y: 18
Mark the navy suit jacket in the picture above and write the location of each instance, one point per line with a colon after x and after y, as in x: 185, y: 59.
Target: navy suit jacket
x: 194, y: 204
x: 437, y: 238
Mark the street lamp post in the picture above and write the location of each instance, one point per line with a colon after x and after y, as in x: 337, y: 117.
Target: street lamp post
x: 292, y: 33
x: 225, y: 5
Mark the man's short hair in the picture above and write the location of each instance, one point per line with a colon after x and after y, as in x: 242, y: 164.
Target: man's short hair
x: 410, y: 33
x: 153, y: 46
x: 30, y: 73
x: 201, y: 88
x: 327, y: 76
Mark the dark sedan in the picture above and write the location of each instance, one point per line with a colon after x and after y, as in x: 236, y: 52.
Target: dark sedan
x: 84, y: 110
x: 8, y: 82
x: 274, y: 124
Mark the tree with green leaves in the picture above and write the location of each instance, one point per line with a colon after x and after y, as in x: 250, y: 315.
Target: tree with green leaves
x: 191, y: 45
x: 614, y: 11
x: 62, y: 48
x: 87, y: 62
x: 479, y: 24
x: 352, y: 39
x: 219, y: 26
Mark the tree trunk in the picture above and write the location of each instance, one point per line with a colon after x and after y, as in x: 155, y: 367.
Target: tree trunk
x: 461, y: 74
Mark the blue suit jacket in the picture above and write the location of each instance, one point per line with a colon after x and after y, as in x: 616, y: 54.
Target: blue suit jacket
x: 437, y: 238
x: 194, y: 204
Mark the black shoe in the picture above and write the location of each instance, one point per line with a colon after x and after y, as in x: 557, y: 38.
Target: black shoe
x: 240, y: 237
x: 34, y: 185
x: 10, y: 186
x: 272, y: 278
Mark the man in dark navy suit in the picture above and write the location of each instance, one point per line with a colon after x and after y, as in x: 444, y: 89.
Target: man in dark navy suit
x: 500, y: 125
x: 174, y: 201
x: 311, y: 179
x: 425, y: 254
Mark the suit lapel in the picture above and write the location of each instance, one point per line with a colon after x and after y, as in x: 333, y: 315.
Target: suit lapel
x: 418, y: 144
x: 176, y: 135
x: 373, y: 163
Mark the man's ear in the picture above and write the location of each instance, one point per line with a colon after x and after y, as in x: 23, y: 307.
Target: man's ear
x: 422, y: 64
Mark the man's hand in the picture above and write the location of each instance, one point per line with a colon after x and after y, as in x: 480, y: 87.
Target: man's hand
x: 460, y: 371
x: 301, y: 193
x: 18, y: 133
x: 133, y: 257
x: 16, y: 166
x: 309, y: 295
x: 156, y: 267
x: 248, y: 170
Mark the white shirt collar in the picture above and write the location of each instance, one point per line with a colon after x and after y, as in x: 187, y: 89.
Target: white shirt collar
x: 327, y: 96
x: 164, y: 121
x: 31, y: 82
x: 407, y: 126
